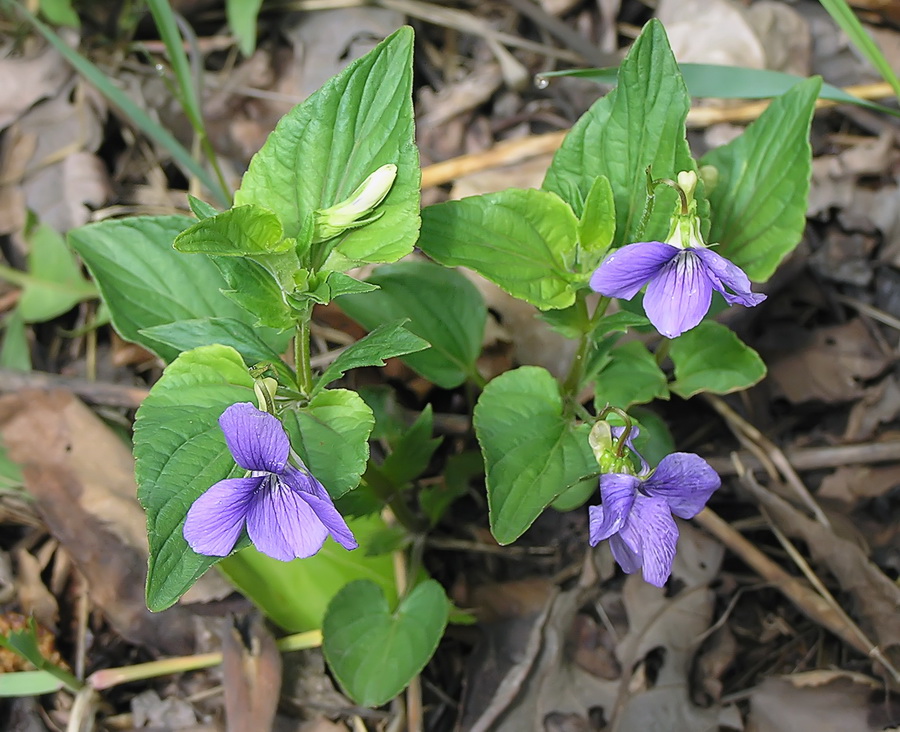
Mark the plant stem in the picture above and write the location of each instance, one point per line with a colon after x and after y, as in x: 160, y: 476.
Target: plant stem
x: 110, y: 677
x: 301, y: 354
x: 572, y: 384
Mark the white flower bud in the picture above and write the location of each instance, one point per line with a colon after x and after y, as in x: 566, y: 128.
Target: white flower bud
x: 358, y: 207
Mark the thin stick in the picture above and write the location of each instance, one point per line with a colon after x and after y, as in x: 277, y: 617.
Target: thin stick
x: 738, y: 424
x: 109, y: 677
x: 818, y: 585
x: 797, y: 591
x: 517, y: 151
x: 815, y: 458
x: 93, y: 392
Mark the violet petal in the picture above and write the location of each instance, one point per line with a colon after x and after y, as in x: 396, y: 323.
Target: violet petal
x: 685, y: 482
x: 617, y: 491
x: 282, y: 525
x: 652, y: 528
x: 313, y: 492
x: 626, y: 557
x: 629, y: 443
x: 624, y: 272
x: 215, y: 520
x: 256, y: 439
x: 723, y: 273
x: 679, y: 297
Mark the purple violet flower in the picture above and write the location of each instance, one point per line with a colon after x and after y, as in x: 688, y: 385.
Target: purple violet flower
x: 680, y: 273
x: 679, y: 282
x: 287, y: 512
x: 636, y: 512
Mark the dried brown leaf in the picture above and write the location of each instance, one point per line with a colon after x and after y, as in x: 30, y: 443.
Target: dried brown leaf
x: 549, y: 682
x: 853, y: 483
x: 62, y: 180
x: 34, y: 597
x: 819, y: 701
x: 251, y: 666
x: 711, y: 32
x: 27, y: 79
x: 880, y: 404
x: 81, y: 476
x: 829, y: 364
x: 876, y: 597
x: 784, y: 34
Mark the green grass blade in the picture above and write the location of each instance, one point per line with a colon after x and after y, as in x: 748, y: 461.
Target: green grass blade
x: 731, y: 82
x: 132, y: 111
x: 164, y: 17
x: 843, y: 15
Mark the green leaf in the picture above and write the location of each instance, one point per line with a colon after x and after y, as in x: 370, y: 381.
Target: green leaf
x: 342, y: 284
x: 15, y: 352
x: 732, y: 82
x: 373, y: 652
x: 532, y: 451
x: 180, y: 452
x: 597, y: 225
x: 522, y: 240
x: 24, y: 643
x: 255, y: 291
x: 639, y: 124
x: 331, y: 435
x: 571, y: 322
x: 386, y: 341
x: 242, y: 231
x: 29, y: 683
x: 145, y: 282
x: 60, y: 12
x: 759, y: 203
x: 242, y: 16
x: 184, y: 335
x: 621, y: 321
x: 631, y: 377
x: 328, y: 145
x: 442, y: 306
x: 460, y: 469
x: 53, y: 284
x: 202, y: 209
x: 411, y: 454
x: 296, y: 594
x: 712, y: 358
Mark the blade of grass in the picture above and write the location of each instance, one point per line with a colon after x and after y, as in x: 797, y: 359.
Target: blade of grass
x: 186, y: 91
x: 130, y: 109
x: 846, y: 19
x: 730, y: 82
x: 187, y: 77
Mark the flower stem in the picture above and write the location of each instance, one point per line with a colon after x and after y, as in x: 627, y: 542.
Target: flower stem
x: 301, y: 354
x: 572, y: 383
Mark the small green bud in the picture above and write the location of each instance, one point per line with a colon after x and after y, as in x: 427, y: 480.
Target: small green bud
x: 604, y: 448
x: 265, y: 393
x: 357, y: 210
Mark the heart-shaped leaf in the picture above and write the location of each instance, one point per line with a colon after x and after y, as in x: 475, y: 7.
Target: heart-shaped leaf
x: 375, y: 653
x: 532, y: 450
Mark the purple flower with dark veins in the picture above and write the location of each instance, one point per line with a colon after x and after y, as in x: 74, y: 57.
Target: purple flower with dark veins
x: 287, y: 512
x: 680, y: 273
x: 636, y: 512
